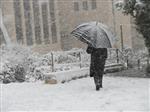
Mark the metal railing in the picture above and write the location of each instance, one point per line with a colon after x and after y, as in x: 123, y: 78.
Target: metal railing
x: 80, y: 59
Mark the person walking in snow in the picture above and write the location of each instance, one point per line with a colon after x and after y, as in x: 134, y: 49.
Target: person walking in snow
x: 98, y: 59
x: 99, y: 37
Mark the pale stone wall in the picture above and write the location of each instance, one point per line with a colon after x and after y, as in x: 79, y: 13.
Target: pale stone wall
x: 66, y: 19
x: 9, y: 21
x: 103, y: 13
x: 70, y: 18
x: 8, y: 18
x: 124, y: 22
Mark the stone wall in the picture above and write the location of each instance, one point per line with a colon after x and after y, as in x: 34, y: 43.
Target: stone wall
x: 69, y: 18
x: 29, y: 23
x: 34, y: 23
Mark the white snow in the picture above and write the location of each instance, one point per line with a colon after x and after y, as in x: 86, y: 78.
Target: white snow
x: 118, y: 94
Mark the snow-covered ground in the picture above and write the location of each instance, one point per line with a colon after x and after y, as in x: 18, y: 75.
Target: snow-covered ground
x: 118, y: 94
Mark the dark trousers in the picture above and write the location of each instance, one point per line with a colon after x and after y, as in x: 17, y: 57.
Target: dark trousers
x: 98, y: 73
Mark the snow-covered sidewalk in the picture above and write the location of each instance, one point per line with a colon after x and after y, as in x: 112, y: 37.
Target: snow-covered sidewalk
x: 118, y: 94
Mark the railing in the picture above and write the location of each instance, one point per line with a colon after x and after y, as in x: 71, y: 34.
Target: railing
x: 136, y: 60
x: 141, y: 62
x: 80, y: 59
x: 119, y: 57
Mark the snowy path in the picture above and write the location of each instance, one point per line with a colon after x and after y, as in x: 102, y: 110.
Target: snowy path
x: 118, y: 94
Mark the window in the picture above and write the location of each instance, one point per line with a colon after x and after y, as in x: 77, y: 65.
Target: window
x: 93, y: 3
x: 37, y: 26
x: 45, y: 23
x: 18, y: 21
x: 76, y: 6
x: 53, y: 21
x: 28, y: 22
x: 85, y: 5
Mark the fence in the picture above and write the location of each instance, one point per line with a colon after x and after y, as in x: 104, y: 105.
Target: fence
x: 80, y: 59
x: 142, y: 62
x: 136, y: 59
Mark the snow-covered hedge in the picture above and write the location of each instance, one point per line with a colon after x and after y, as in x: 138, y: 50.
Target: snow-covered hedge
x: 148, y: 70
x: 20, y: 64
x: 13, y: 63
x: 135, y: 56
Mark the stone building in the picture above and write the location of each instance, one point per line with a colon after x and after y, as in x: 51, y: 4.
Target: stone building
x: 45, y: 25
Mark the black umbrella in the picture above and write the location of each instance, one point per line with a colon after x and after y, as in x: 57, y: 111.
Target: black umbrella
x: 95, y: 34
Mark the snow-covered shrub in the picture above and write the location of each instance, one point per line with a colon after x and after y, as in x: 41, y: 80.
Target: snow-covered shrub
x: 20, y: 64
x: 66, y: 57
x: 85, y: 59
x: 13, y: 74
x: 118, y: 4
x: 40, y: 64
x: 20, y: 73
x: 148, y: 69
x: 112, y: 56
x: 13, y: 63
x: 134, y: 56
x: 37, y: 66
x: 65, y: 60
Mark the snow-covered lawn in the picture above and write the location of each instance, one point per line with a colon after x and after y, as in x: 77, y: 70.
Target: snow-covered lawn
x: 118, y: 94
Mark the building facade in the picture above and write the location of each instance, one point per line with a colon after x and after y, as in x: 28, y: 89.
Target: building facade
x: 45, y: 25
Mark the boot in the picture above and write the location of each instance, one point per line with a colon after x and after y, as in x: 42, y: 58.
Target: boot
x: 101, y: 81
x: 97, y: 87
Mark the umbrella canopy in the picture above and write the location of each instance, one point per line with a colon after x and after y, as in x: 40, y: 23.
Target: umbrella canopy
x: 95, y: 34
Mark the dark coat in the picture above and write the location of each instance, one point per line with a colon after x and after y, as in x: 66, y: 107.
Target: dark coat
x: 98, y: 58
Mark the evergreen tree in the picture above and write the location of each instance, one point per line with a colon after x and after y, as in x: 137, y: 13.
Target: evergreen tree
x: 140, y: 11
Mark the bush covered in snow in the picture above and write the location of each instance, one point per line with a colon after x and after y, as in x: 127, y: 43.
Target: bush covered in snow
x: 134, y: 57
x: 148, y: 70
x: 19, y: 64
x: 13, y: 63
x: 74, y: 58
x: 40, y: 64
